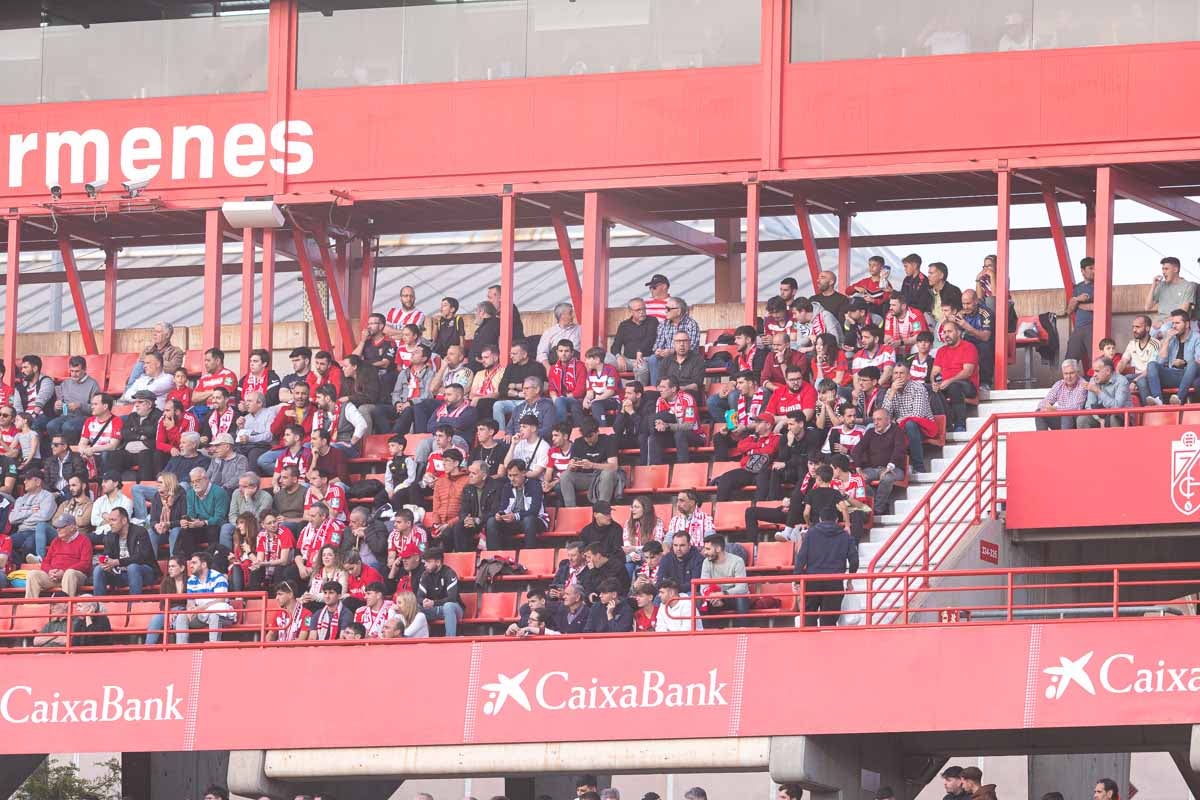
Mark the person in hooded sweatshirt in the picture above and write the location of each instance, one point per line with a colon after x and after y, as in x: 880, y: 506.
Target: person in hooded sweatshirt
x: 972, y: 781
x: 827, y: 549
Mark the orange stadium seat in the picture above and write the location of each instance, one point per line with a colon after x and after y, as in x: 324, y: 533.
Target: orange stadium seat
x: 463, y: 565
x: 55, y: 366
x: 540, y: 564
x: 97, y: 367
x: 693, y: 475
x: 647, y: 480
x: 774, y: 556
x: 731, y: 515
x: 193, y: 362
x: 120, y: 367
x: 497, y: 607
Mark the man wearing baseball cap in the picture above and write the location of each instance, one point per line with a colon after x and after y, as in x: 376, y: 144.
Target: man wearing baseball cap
x: 139, y: 437
x: 656, y: 303
x: 67, y: 562
x: 972, y: 782
x: 757, y: 452
x: 227, y: 465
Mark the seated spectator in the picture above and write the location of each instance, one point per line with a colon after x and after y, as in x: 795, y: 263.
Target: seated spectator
x: 437, y: 591
x: 511, y: 390
x: 31, y: 517
x: 603, y: 531
x: 215, y: 375
x: 977, y: 324
x: 955, y: 375
x: 575, y: 610
x: 253, y: 437
x: 206, y: 606
x: 447, y: 499
x: 360, y: 575
x: 790, y: 461
x: 1176, y: 366
x: 810, y: 323
x: 1106, y: 390
x: 375, y: 611
x: 327, y: 457
x: 407, y: 621
x: 399, y: 472
x: 62, y: 464
x: 412, y: 388
x: 529, y: 448
x: 479, y: 502
x: 293, y: 621
x: 880, y: 456
x: 757, y: 451
x: 456, y: 412
x: 485, y: 383
x: 648, y: 567
x: 592, y: 468
x: 1171, y: 291
x: 750, y: 405
x: 675, y: 608
x: 454, y: 370
x: 602, y: 566
x: 408, y: 341
x: 908, y: 403
x: 675, y: 424
x: 611, y: 612
x: 73, y: 401
x: 173, y: 424
x: 333, y: 616
x: 642, y: 526
x: 825, y: 549
x: 167, y: 507
x: 407, y: 312
x: 689, y: 518
x: 902, y: 324
x: 533, y: 404
x: 227, y: 465
x: 796, y: 395
x: 947, y: 298
x: 323, y: 489
x: 853, y: 489
x: 634, y: 340
x: 435, y: 466
x: 683, y: 562
x: 635, y: 416
x: 646, y: 610
x: 129, y: 558
x: 340, y: 421
x: 101, y: 434
x: 1141, y: 350
x: 686, y: 365
x: 778, y: 319
x: 170, y: 357
x: 287, y: 500
x: 721, y: 564
x: 602, y: 398
x: 558, y: 458
x: 294, y: 453
x: 110, y: 497
x: 874, y: 353
x: 826, y: 417
x: 874, y: 290
x: 328, y: 372
x: 920, y: 362
x: 78, y: 504
x: 829, y: 298
x: 538, y: 622
x: 856, y: 319
x: 866, y: 394
x: 326, y: 569
x: 54, y: 632
x: 1108, y: 349
x: 747, y: 359
x: 222, y: 416
x: 915, y: 287
x: 181, y: 390
x: 361, y: 387
x: 567, y: 383
x: 246, y: 497
x: 1068, y: 394
x: 207, y: 509
x: 301, y: 358
x: 189, y: 457
x: 828, y: 361
x: 66, y: 564
x: 521, y: 511
x: 669, y: 346
x: 566, y: 328
x: 35, y: 392
x: 572, y: 570
x: 139, y: 436
x: 487, y: 329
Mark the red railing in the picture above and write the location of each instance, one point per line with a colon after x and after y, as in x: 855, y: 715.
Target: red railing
x: 968, y: 491
x: 992, y: 596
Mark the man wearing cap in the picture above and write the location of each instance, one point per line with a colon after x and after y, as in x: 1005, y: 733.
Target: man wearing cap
x: 757, y: 453
x: 603, y: 531
x: 856, y: 318
x: 972, y: 782
x: 31, y: 515
x: 437, y: 591
x: 68, y: 558
x: 656, y: 303
x: 227, y: 465
x: 407, y: 568
x: 952, y: 783
x: 139, y: 438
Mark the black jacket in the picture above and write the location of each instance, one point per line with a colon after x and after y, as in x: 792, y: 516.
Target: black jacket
x: 632, y: 339
x: 564, y: 570
x: 613, y: 568
x: 178, y: 509
x: 598, y: 621
x: 684, y: 571
x: 610, y: 538
x: 376, y: 539
x: 141, y: 551
x: 365, y: 389
x: 827, y: 550
x: 72, y: 465
x: 578, y: 624
x: 486, y: 332
x: 628, y: 428
x: 555, y: 616
x: 440, y: 587
x: 137, y: 429
x: 482, y: 502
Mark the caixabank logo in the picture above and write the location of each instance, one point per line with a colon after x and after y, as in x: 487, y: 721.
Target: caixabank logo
x: 1119, y: 673
x: 557, y: 690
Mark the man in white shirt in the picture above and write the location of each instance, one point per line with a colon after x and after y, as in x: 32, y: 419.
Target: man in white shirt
x: 675, y: 613
x: 152, y: 379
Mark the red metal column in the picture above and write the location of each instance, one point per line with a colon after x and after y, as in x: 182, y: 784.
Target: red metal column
x: 214, y: 241
x: 1105, y: 213
x: 332, y: 270
x: 1003, y: 220
x: 727, y: 269
x: 753, y: 213
x: 508, y: 259
x: 1089, y: 230
x: 845, y: 219
x: 568, y: 260
x: 595, y: 261
x: 266, y: 335
x: 811, y: 253
x: 246, y: 339
x: 1060, y: 238
x: 77, y: 297
x: 366, y: 290
x: 12, y: 285
x: 281, y: 72
x: 309, y: 276
x: 773, y: 55
x: 110, y: 301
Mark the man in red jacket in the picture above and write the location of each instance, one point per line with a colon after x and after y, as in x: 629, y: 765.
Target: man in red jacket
x: 67, y: 560
x: 758, y: 455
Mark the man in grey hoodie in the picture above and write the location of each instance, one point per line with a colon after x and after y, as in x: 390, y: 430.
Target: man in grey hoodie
x: 826, y: 549
x: 73, y: 401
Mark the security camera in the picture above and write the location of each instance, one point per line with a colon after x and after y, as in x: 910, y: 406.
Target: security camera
x: 55, y: 192
x: 134, y: 188
x: 94, y: 187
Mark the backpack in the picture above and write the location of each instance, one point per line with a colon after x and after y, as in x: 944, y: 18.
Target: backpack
x: 490, y: 569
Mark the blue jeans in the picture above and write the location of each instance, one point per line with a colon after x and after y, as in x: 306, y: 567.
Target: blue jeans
x: 351, y: 450
x: 451, y: 612
x: 32, y: 541
x: 266, y: 462
x: 1158, y: 376
x: 502, y: 410
x: 68, y: 427
x: 156, y: 539
x: 135, y: 577
x: 717, y: 405
x: 156, y: 624
x: 142, y: 496
x: 916, y: 447
x: 568, y: 408
x: 227, y: 535
x: 653, y: 366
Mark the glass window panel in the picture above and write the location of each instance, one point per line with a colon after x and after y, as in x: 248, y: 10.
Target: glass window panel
x: 361, y: 47
x: 20, y: 66
x: 465, y: 42
x: 707, y: 33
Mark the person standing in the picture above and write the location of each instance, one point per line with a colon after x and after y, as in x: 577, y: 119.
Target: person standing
x: 826, y: 549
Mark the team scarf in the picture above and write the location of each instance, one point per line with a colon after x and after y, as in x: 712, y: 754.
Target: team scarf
x: 222, y: 423
x: 328, y: 421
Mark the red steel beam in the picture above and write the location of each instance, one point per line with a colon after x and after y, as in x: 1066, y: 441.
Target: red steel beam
x: 698, y: 242
x: 366, y: 289
x: 1089, y: 229
x: 753, y: 219
x: 316, y: 307
x: 246, y: 340
x: 595, y: 261
x: 508, y: 260
x: 1003, y: 224
x: 568, y: 260
x: 110, y: 301
x: 81, y: 311
x: 266, y: 333
x: 1173, y: 205
x: 773, y: 55
x: 1106, y: 194
x: 845, y: 219
x: 332, y: 271
x: 281, y: 72
x: 808, y: 239
x: 1059, y: 236
x: 12, y: 285
x: 210, y: 330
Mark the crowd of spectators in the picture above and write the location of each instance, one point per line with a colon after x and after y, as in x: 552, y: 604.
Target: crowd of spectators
x: 824, y: 405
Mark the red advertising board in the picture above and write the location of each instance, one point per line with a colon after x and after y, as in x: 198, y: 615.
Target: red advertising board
x: 1094, y: 478
x: 1120, y: 672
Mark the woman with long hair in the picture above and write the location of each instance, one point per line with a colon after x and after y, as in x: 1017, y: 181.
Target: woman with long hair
x: 241, y: 556
x: 642, y: 526
x: 167, y: 507
x: 174, y: 582
x: 829, y: 361
x: 411, y: 616
x: 329, y: 568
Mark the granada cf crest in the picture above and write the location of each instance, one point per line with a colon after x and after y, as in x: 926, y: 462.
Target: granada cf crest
x: 1185, y: 474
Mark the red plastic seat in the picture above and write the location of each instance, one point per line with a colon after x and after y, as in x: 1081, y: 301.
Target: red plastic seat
x: 940, y: 439
x: 463, y: 565
x: 688, y: 476
x: 470, y: 605
x: 1160, y: 418
x: 731, y: 515
x: 97, y: 367
x: 572, y: 519
x: 140, y: 614
x: 54, y: 366
x: 648, y: 480
x: 497, y: 607
x: 193, y: 362
x: 540, y: 564
x: 774, y: 556
x: 719, y: 468
x: 120, y: 367
x: 511, y: 555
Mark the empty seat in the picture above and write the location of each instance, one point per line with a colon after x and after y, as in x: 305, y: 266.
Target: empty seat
x: 463, y: 565
x: 54, y: 366
x: 470, y: 605
x: 97, y: 367
x: 193, y: 362
x: 648, y: 480
x: 120, y: 367
x: 731, y: 515
x: 688, y: 476
x: 497, y: 607
x: 572, y: 519
x: 774, y: 556
x: 539, y: 564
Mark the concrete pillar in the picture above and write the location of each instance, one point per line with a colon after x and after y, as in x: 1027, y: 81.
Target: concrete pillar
x: 1075, y: 775
x: 829, y: 767
x: 15, y: 769
x: 247, y: 776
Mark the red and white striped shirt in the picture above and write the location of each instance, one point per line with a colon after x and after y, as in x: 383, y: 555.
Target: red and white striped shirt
x: 398, y: 541
x: 853, y: 487
x: 313, y: 539
x: 334, y: 498
x: 898, y: 329
x: 683, y: 407
x: 656, y: 308
x: 748, y: 408
x: 95, y: 432
x: 559, y: 460
x: 398, y: 317
x: 223, y: 378
x: 884, y: 357
x: 606, y: 380
x: 301, y: 461
x: 745, y: 361
x: 289, y: 625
